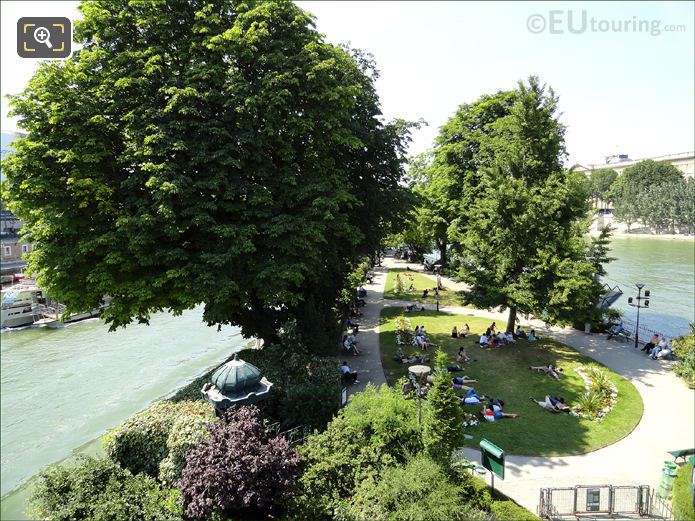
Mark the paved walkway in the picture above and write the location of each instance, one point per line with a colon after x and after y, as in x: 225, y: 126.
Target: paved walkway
x: 668, y: 422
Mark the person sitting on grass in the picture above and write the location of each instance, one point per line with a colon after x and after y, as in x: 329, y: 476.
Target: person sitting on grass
x: 549, y: 369
x: 484, y: 339
x: 461, y: 356
x: 349, y: 375
x: 553, y: 404
x: 520, y: 333
x: 493, y: 412
x: 454, y: 333
x: 532, y: 336
x: 422, y: 343
x: 464, y: 331
x: 411, y: 307
x: 425, y: 292
x: 502, y: 338
x: 459, y: 382
x: 472, y: 397
x: 494, y: 341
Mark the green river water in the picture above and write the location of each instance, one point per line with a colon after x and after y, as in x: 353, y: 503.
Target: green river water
x: 62, y: 389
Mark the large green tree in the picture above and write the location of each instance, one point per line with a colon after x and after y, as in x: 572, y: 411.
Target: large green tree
x: 629, y: 190
x: 600, y: 184
x: 523, y: 237
x: 204, y: 151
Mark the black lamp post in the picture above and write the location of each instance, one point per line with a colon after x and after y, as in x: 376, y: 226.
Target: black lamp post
x: 639, y: 305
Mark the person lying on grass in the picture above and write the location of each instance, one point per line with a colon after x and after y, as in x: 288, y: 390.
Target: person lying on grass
x: 554, y: 404
x: 493, y: 411
x: 411, y: 307
x: 414, y: 359
x: 472, y: 397
x: 459, y: 382
x: 550, y: 369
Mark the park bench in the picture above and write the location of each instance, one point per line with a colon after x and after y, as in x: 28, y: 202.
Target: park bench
x: 681, y: 453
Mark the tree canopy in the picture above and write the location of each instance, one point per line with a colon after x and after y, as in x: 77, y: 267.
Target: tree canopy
x: 215, y: 152
x: 522, y: 221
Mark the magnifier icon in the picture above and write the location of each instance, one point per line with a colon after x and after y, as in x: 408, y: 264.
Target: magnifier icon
x: 42, y: 35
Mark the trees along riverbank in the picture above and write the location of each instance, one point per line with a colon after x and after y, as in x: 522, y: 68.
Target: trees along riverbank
x: 256, y: 173
x: 518, y: 220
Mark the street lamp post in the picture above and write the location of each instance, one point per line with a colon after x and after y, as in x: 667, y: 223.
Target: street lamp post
x: 639, y: 305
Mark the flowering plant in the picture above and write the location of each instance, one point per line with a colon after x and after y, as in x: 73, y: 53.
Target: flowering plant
x: 470, y: 419
x: 600, y: 395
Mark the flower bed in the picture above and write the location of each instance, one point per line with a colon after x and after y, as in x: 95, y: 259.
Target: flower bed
x: 470, y: 419
x: 599, y: 397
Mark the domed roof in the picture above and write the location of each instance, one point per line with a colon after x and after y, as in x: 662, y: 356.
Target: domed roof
x: 236, y: 375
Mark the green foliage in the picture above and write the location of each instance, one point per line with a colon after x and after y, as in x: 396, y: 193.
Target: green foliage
x: 601, y: 383
x: 189, y: 428
x: 590, y: 402
x: 522, y: 240
x: 159, y: 435
x: 600, y: 184
x: 509, y: 511
x: 299, y: 378
x: 100, y: 490
x: 377, y: 429
x: 474, y: 491
x: 442, y: 429
x: 420, y: 489
x: 242, y: 164
x: 684, y: 348
x: 682, y: 500
x: 655, y: 193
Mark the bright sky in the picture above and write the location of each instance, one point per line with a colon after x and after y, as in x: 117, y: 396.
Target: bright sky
x: 625, y: 82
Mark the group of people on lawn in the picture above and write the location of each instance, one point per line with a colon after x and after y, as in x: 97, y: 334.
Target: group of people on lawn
x: 494, y: 338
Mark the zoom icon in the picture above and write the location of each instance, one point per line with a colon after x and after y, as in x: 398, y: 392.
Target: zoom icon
x: 44, y: 37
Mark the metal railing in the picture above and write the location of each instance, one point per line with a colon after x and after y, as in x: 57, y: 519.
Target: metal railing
x: 602, y: 500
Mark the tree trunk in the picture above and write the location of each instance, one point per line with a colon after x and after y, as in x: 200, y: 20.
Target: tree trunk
x: 511, y: 320
x: 442, y: 253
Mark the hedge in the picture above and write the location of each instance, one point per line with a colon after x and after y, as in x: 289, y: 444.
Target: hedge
x: 682, y: 500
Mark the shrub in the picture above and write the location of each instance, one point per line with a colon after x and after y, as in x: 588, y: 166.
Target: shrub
x: 294, y: 372
x: 419, y: 489
x: 684, y: 348
x: 509, y: 511
x: 100, y: 490
x: 682, y: 498
x: 238, y: 470
x: 189, y: 428
x: 376, y: 430
x: 140, y: 442
x: 474, y: 491
x: 601, y: 383
x: 443, y: 418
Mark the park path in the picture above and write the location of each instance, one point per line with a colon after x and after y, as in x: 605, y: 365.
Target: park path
x: 668, y: 422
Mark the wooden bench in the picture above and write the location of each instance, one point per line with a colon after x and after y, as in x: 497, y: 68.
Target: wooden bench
x: 681, y: 453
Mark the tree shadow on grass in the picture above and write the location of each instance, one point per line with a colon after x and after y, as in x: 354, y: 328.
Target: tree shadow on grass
x: 504, y: 373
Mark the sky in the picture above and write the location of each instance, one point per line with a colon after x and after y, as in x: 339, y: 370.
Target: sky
x: 624, y: 71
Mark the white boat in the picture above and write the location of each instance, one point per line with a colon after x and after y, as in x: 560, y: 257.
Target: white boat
x: 20, y: 304
x: 25, y: 304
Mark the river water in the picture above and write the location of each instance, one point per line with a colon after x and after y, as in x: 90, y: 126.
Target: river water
x: 667, y: 270
x: 63, y: 388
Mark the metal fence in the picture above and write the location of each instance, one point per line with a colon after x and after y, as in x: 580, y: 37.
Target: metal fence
x: 601, y: 500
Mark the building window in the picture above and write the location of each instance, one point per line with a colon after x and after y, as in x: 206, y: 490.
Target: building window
x: 25, y: 248
x: 7, y: 251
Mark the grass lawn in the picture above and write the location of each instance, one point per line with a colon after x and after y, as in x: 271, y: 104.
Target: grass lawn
x: 447, y: 297
x: 503, y: 373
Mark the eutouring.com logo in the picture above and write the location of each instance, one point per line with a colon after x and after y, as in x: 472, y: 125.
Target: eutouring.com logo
x: 579, y: 22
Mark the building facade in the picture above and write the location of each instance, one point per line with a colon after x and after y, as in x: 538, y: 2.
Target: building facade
x: 685, y: 162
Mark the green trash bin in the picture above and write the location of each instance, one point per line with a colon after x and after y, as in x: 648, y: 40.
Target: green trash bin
x: 668, y: 475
